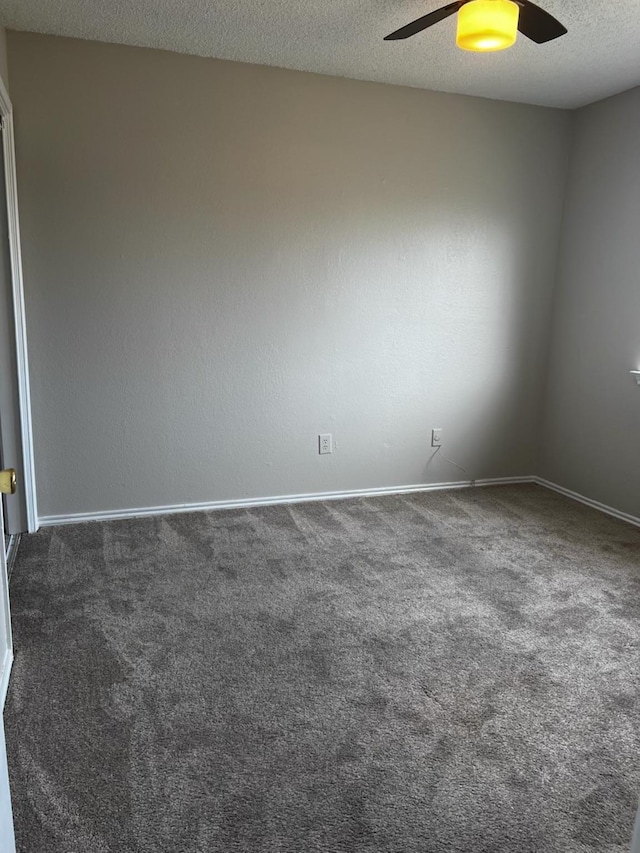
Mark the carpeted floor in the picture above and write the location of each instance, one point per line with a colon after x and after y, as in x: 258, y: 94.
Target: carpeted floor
x: 433, y: 673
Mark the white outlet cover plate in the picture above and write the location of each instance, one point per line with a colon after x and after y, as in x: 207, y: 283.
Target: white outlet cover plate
x: 325, y: 443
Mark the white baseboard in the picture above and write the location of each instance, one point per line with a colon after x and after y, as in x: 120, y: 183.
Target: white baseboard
x: 243, y: 503
x: 609, y: 510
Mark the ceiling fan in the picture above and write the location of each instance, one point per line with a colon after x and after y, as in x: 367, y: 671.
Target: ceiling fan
x: 485, y: 25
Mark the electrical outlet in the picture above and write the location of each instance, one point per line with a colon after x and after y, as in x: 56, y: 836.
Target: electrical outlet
x: 325, y: 443
x: 436, y: 437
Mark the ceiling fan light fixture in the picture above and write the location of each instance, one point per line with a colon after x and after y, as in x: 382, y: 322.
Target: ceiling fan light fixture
x: 485, y: 25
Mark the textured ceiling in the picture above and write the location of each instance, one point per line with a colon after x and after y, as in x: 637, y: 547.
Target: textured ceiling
x: 600, y: 55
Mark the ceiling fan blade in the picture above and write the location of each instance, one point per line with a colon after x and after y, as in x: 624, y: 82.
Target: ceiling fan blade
x: 538, y: 25
x: 424, y: 22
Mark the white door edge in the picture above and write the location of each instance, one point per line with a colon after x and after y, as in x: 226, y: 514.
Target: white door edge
x: 20, y: 323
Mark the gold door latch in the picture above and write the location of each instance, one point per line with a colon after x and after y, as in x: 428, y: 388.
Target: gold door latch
x: 8, y: 481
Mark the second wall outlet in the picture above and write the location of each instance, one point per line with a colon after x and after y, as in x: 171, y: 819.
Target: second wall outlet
x: 436, y: 437
x: 325, y: 443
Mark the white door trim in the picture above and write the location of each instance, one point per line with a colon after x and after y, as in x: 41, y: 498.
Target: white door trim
x: 5, y: 674
x: 22, y: 358
x: 7, y: 839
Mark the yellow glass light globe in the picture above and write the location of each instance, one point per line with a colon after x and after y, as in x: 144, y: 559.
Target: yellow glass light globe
x: 485, y: 25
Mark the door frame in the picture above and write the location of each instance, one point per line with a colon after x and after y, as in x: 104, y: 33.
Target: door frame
x: 6, y: 640
x: 19, y: 314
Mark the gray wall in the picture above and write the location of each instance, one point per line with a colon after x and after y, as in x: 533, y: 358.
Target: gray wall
x: 4, y: 66
x: 224, y: 260
x: 591, y: 440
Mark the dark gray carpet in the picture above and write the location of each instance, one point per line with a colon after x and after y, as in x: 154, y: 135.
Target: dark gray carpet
x: 423, y: 674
